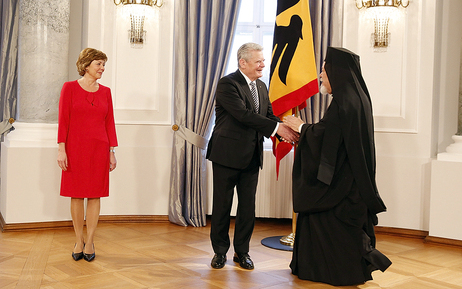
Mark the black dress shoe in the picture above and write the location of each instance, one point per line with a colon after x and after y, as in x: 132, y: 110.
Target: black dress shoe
x: 243, y: 260
x: 77, y: 256
x: 89, y: 257
x: 218, y: 261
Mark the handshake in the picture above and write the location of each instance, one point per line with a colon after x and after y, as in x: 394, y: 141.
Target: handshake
x: 289, y: 129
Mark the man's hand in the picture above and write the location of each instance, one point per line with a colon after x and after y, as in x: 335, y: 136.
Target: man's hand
x: 293, y: 122
x: 287, y: 134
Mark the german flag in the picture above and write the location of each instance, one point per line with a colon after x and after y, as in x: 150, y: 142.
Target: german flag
x: 293, y: 75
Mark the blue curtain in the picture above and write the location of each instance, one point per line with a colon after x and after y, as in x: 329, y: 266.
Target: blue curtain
x: 326, y: 22
x: 203, y: 34
x: 9, y: 11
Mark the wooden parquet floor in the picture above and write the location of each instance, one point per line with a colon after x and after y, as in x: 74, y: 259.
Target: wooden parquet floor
x: 164, y: 255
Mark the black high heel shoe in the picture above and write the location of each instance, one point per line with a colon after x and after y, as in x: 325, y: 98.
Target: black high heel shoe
x: 78, y: 256
x: 89, y: 257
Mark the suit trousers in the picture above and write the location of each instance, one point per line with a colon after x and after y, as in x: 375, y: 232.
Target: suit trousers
x: 225, y: 179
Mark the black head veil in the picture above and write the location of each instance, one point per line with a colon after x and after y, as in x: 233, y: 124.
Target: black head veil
x: 349, y: 91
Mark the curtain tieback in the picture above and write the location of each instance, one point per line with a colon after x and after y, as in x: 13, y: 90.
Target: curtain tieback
x: 6, y: 126
x: 190, y: 136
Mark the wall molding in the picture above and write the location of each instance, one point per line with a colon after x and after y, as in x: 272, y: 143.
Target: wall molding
x: 142, y: 78
x: 393, y: 76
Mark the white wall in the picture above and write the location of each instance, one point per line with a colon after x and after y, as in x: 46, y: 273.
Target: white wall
x: 141, y: 84
x: 415, y: 116
x: 402, y: 84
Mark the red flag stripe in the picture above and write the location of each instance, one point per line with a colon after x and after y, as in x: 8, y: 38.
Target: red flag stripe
x: 280, y: 150
x: 295, y: 98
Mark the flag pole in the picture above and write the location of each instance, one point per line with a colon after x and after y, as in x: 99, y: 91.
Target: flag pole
x: 290, y: 239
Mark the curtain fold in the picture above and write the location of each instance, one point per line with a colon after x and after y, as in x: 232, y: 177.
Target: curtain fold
x: 327, y: 23
x: 203, y: 34
x: 9, y: 13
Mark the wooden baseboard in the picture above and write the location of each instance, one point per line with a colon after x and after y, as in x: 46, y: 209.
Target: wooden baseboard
x: 443, y: 241
x: 419, y: 235
x: 2, y: 221
x: 162, y: 219
x: 36, y: 226
x: 68, y: 224
x: 133, y: 219
x: 401, y: 232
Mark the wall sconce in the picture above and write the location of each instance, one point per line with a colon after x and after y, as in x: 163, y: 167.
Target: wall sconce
x: 137, y: 11
x: 381, y: 11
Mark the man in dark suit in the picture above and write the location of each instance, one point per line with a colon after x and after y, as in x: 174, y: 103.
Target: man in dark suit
x: 243, y: 117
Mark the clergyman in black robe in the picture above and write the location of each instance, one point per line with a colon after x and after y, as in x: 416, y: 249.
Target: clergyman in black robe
x: 334, y: 188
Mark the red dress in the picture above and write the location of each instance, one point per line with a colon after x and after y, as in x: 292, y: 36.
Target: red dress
x: 86, y: 126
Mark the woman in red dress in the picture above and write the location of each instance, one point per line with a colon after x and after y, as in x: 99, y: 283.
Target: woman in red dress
x: 86, y: 138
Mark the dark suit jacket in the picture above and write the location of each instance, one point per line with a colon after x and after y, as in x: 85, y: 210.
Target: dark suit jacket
x: 238, y: 128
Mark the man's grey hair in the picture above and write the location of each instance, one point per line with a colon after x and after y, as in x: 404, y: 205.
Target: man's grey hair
x: 245, y: 51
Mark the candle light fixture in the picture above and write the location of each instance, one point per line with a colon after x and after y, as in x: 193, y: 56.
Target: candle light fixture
x: 381, y: 11
x: 137, y: 9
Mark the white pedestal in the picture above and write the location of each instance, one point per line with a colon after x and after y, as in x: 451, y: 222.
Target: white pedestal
x: 30, y: 175
x: 453, y: 152
x: 446, y: 189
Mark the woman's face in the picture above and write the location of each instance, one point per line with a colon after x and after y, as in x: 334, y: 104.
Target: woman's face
x: 325, y: 84
x: 95, y: 69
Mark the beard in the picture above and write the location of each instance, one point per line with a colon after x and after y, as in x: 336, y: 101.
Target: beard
x: 323, y: 89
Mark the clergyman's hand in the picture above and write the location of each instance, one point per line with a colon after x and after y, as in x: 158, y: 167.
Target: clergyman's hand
x: 287, y: 133
x: 293, y: 122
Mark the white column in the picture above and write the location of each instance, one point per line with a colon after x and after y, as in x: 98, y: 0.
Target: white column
x: 43, y: 58
x: 459, y: 124
x: 446, y: 170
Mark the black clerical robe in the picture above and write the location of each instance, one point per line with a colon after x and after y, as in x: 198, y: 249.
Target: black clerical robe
x: 334, y: 190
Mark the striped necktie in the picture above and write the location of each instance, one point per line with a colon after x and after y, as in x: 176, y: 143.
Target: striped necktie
x: 253, y: 90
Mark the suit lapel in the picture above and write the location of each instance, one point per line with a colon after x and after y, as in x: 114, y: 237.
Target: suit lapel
x: 240, y: 78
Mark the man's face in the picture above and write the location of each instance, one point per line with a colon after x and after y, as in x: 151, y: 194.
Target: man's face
x: 254, y: 67
x: 325, y: 84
